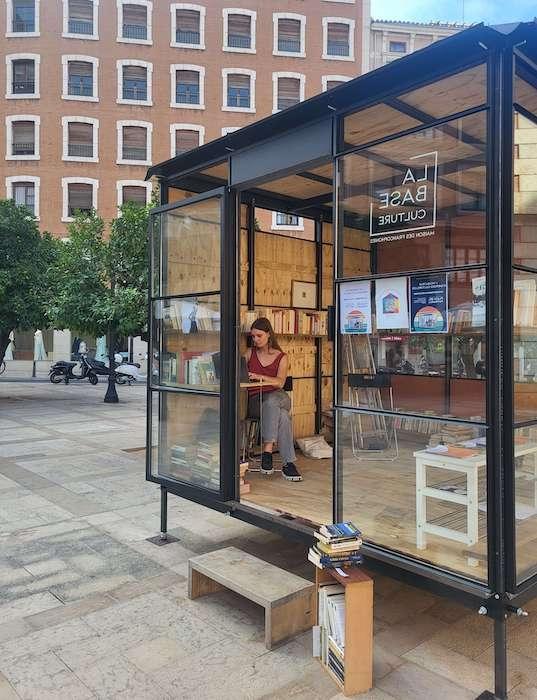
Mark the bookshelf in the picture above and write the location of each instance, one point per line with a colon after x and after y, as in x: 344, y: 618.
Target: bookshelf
x: 357, y: 656
x: 288, y: 321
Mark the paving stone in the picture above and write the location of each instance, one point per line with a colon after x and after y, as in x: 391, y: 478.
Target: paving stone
x: 28, y: 605
x: 469, y: 636
x: 118, y: 676
x: 407, y: 633
x: 7, y: 692
x: 412, y: 682
x: 48, y: 566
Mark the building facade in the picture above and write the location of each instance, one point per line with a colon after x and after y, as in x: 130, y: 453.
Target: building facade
x: 98, y: 90
x: 391, y: 40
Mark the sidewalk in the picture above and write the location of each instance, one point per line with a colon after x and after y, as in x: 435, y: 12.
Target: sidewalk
x: 90, y: 609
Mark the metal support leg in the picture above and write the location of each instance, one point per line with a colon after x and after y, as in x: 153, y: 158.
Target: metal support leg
x: 163, y: 513
x: 500, y: 657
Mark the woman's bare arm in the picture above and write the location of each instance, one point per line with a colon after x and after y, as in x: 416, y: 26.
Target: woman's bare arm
x: 277, y: 381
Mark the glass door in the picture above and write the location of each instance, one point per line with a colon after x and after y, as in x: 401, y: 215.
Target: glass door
x: 184, y: 406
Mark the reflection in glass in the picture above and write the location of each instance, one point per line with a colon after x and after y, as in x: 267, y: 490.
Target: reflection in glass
x: 186, y: 342
x: 415, y: 202
x: 525, y: 345
x: 433, y: 373
x: 187, y: 445
x: 429, y: 502
x: 526, y: 501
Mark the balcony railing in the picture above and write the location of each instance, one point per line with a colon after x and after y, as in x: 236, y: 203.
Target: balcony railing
x: 134, y: 31
x: 235, y: 99
x: 80, y: 150
x: 23, y: 87
x: 286, y: 102
x: 187, y: 96
x: 338, y: 48
x: 289, y: 45
x: 80, y: 26
x: 187, y: 37
x: 135, y: 92
x: 21, y: 25
x: 23, y: 149
x: 239, y: 41
x: 134, y: 153
x: 80, y: 88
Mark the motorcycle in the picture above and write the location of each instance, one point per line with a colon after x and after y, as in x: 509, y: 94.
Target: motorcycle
x: 63, y: 371
x: 126, y: 372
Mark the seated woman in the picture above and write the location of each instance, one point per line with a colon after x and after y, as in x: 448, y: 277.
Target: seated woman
x: 268, y: 364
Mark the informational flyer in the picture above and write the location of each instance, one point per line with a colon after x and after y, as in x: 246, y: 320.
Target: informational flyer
x: 429, y: 303
x: 479, y: 309
x: 391, y: 303
x: 355, y: 307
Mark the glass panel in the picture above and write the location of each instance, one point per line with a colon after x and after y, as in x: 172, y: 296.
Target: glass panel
x: 525, y: 345
x: 415, y: 343
x: 417, y: 486
x: 188, y: 27
x: 190, y: 248
x: 23, y: 77
x: 186, y: 342
x: 415, y: 202
x: 448, y: 96
x: 186, y: 438
x: 526, y: 501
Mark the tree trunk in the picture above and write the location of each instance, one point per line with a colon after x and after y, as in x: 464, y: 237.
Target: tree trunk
x: 111, y: 393
x: 4, y: 342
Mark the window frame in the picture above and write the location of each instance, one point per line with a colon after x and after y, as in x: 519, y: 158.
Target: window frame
x: 12, y: 180
x: 276, y: 16
x: 120, y: 184
x: 229, y: 130
x: 148, y: 4
x: 325, y: 79
x: 72, y: 58
x: 120, y: 64
x: 9, y: 21
x: 173, y: 78
x: 391, y: 42
x: 10, y: 58
x: 287, y: 74
x: 226, y: 12
x: 352, y: 30
x: 66, y: 181
x: 65, y: 139
x: 176, y: 126
x: 275, y: 226
x: 187, y: 6
x: 66, y: 34
x: 149, y: 141
x: 13, y: 118
x: 226, y: 72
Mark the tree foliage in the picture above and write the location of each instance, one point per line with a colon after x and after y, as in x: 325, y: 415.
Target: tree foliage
x: 26, y: 258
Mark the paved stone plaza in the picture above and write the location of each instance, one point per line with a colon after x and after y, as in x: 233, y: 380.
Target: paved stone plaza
x: 90, y: 609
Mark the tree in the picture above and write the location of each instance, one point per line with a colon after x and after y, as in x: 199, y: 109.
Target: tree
x: 26, y: 258
x: 102, y: 282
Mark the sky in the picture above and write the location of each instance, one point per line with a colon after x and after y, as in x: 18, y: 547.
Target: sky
x: 488, y: 11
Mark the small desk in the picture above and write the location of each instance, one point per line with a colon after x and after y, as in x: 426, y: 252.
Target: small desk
x: 470, y: 467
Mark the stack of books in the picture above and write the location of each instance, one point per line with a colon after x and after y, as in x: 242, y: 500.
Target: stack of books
x: 338, y: 546
x: 331, y: 637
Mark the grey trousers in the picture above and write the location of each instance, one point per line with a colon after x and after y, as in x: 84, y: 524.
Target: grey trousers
x: 276, y: 421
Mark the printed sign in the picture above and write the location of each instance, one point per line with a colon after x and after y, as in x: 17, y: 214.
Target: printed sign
x: 407, y: 209
x: 429, y: 303
x: 479, y: 308
x: 391, y: 303
x: 355, y: 307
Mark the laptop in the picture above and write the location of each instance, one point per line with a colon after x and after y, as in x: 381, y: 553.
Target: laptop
x: 243, y: 368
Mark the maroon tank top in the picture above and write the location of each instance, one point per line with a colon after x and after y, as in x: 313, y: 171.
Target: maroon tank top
x: 269, y: 371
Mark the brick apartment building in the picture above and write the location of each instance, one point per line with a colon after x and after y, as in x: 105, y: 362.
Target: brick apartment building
x: 98, y: 90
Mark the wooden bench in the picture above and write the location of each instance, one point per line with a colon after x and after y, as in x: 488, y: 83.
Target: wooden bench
x: 288, y: 600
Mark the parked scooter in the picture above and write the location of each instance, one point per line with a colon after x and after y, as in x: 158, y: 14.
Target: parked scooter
x: 126, y: 372
x: 62, y: 371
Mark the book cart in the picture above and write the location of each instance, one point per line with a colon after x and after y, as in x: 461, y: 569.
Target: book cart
x: 417, y: 181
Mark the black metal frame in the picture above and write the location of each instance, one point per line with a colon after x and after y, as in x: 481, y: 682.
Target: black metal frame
x: 500, y: 595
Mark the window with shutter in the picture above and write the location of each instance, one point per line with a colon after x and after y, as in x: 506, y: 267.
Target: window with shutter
x: 79, y: 197
x: 80, y: 139
x: 186, y: 140
x: 238, y: 90
x: 23, y: 72
x: 23, y: 138
x: 289, y: 35
x: 80, y: 17
x: 135, y: 194
x: 134, y: 22
x: 188, y: 27
x: 134, y: 143
x: 283, y: 219
x: 80, y: 78
x: 288, y: 92
x: 338, y: 39
x: 187, y: 87
x: 24, y: 195
x: 135, y: 83
x: 239, y: 31
x: 23, y: 16
x: 330, y: 84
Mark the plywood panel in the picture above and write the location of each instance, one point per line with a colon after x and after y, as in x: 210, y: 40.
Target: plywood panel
x: 328, y: 276
x: 244, y: 266
x: 301, y: 356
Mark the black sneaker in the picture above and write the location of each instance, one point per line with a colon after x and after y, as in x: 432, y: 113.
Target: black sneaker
x: 266, y: 463
x: 291, y: 473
